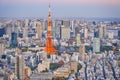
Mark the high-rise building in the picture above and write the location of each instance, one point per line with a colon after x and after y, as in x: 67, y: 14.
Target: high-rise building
x: 25, y: 32
x: 19, y: 67
x: 96, y: 33
x: 53, y: 29
x: 1, y: 48
x: 65, y: 32
x: 39, y: 29
x: 85, y: 33
x: 73, y: 67
x: 66, y: 23
x: 96, y: 45
x: 110, y: 35
x: 14, y: 42
x: 2, y: 31
x: 49, y: 41
x: 119, y: 34
x: 82, y: 51
x: 77, y: 30
x: 8, y: 29
x: 58, y: 29
x: 72, y: 29
x: 72, y: 26
x: 102, y: 31
x: 78, y: 42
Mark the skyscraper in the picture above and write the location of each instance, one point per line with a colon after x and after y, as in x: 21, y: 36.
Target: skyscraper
x: 49, y: 41
x: 39, y: 29
x: 85, y: 33
x: 25, y: 32
x: 2, y: 31
x: 19, y: 67
x: 82, y: 51
x: 96, y: 45
x: 119, y: 34
x: 102, y: 31
x: 1, y: 48
x: 14, y: 42
x: 66, y: 23
x: 53, y: 29
x: 8, y: 29
x: 65, y: 32
x: 78, y: 40
x: 96, y: 33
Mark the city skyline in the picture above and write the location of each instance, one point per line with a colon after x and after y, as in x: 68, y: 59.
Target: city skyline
x: 60, y: 8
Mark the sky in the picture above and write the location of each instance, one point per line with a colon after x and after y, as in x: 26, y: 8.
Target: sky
x: 60, y: 8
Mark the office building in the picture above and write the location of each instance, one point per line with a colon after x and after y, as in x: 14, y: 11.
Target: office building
x: 78, y: 42
x: 53, y: 29
x: 19, y: 67
x: 1, y: 49
x: 96, y: 33
x: 8, y: 29
x: 73, y: 67
x: 82, y: 51
x: 2, y: 31
x: 39, y: 30
x: 63, y: 71
x: 119, y: 34
x: 110, y: 35
x: 65, y: 32
x: 45, y: 65
x: 102, y: 31
x: 25, y: 32
x: 66, y: 23
x: 85, y: 33
x: 96, y: 45
x: 77, y: 30
x: 14, y: 42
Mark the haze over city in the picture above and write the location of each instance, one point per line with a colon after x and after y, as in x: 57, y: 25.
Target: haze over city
x: 59, y: 39
x: 60, y: 8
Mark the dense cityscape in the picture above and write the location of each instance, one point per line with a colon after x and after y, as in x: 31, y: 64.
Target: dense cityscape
x: 59, y: 49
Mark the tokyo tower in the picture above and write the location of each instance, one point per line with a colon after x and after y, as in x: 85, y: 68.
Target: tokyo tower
x: 49, y: 44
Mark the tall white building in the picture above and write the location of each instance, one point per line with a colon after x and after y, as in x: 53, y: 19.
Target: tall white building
x: 65, y: 32
x: 78, y: 42
x: 96, y: 45
x: 39, y: 29
x: 25, y: 32
x: 85, y: 33
x: 110, y: 35
x: 25, y: 29
x: 102, y: 31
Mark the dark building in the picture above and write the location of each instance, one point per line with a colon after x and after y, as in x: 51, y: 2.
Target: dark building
x: 2, y: 32
x: 77, y: 30
x: 14, y: 42
x: 119, y: 34
x: 96, y: 34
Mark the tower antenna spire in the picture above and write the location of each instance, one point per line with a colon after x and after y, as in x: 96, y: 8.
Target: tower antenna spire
x: 50, y: 49
x: 49, y: 6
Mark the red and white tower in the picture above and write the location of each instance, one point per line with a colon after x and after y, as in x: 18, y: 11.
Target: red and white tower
x: 49, y: 42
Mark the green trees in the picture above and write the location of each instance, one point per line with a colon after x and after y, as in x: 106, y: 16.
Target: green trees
x: 79, y: 66
x: 53, y: 66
